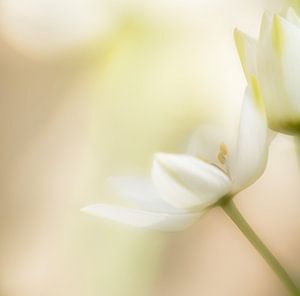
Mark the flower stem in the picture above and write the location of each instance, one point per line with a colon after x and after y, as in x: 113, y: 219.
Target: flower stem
x: 234, y: 214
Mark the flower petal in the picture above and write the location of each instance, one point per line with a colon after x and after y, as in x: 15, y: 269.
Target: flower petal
x: 140, y: 191
x: 279, y: 71
x: 186, y: 182
x: 292, y: 17
x: 143, y: 219
x: 206, y: 141
x: 246, y: 47
x: 249, y: 160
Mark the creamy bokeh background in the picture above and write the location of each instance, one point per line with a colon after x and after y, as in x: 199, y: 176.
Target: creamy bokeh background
x: 91, y: 89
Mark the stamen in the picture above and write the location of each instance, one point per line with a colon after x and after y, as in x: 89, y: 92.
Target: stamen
x: 223, y: 152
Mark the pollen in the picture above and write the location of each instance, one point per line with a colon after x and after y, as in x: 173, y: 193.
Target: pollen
x: 223, y: 152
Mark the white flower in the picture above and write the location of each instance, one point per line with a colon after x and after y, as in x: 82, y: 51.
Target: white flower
x: 272, y: 68
x: 184, y: 186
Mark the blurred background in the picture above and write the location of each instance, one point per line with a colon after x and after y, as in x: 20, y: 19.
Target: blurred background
x: 92, y: 88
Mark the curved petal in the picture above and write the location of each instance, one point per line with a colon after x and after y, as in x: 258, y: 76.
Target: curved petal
x: 279, y: 71
x: 246, y: 47
x: 249, y: 160
x: 141, y: 192
x: 206, y: 141
x: 292, y: 17
x: 143, y: 219
x: 186, y: 182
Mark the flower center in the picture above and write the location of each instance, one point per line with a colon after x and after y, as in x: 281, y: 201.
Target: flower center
x: 222, y: 154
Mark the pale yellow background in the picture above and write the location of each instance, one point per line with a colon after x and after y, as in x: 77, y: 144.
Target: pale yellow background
x: 93, y: 88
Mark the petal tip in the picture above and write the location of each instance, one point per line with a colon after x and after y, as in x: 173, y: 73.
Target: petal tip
x: 86, y: 209
x: 162, y: 157
x: 277, y: 34
x: 237, y: 34
x: 239, y: 41
x: 159, y: 155
x: 246, y: 48
x: 236, y: 31
x: 292, y: 12
x: 267, y: 16
x: 266, y: 23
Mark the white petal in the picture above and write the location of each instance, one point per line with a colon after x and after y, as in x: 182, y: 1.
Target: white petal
x: 279, y: 71
x: 140, y: 191
x: 144, y: 219
x: 186, y: 182
x: 292, y: 17
x: 249, y: 161
x: 246, y: 47
x: 206, y: 141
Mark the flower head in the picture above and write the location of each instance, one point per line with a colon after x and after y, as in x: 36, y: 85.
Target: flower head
x: 272, y: 68
x: 184, y: 186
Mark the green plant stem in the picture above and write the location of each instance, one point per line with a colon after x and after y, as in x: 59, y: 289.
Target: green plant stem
x: 234, y: 214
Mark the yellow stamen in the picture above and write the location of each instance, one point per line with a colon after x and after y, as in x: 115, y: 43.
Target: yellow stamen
x: 223, y: 152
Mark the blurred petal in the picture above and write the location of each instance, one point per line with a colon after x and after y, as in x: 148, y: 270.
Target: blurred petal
x: 292, y: 17
x: 279, y: 70
x: 249, y: 161
x: 139, y: 218
x: 205, y: 143
x: 140, y: 191
x: 246, y: 47
x: 186, y: 182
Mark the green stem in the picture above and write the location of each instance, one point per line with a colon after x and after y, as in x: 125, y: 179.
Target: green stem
x: 234, y: 214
